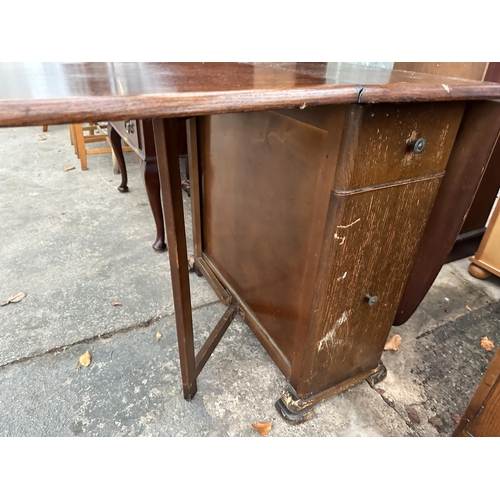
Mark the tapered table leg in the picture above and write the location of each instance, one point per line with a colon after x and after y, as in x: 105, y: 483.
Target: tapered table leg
x: 149, y: 170
x: 116, y: 145
x: 165, y: 134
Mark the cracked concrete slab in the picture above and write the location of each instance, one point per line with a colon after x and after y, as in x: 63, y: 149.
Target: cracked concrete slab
x: 132, y: 388
x: 75, y: 245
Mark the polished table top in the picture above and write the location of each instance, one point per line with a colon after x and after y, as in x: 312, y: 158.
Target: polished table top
x: 50, y: 93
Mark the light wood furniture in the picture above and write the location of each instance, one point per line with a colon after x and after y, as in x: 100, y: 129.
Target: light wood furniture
x: 482, y: 417
x: 82, y: 134
x: 311, y: 185
x: 486, y: 261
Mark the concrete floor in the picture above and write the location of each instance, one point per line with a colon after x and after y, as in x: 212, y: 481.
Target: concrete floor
x: 75, y: 245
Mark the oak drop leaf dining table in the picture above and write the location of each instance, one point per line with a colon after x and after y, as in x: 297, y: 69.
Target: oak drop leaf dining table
x: 311, y: 187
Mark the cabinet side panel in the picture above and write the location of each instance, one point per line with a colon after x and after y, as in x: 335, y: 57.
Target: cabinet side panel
x: 266, y: 181
x: 372, y: 243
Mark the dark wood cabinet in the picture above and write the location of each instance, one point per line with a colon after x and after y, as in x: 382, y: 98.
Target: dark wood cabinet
x: 311, y: 187
x: 312, y: 219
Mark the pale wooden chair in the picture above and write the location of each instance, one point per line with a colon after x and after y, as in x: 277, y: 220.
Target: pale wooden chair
x: 88, y: 133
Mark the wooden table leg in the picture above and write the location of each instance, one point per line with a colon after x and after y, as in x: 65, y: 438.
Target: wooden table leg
x: 165, y: 134
x: 80, y: 145
x: 116, y: 145
x: 149, y: 169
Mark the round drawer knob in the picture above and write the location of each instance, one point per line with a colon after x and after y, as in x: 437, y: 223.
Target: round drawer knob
x: 417, y: 145
x: 372, y: 299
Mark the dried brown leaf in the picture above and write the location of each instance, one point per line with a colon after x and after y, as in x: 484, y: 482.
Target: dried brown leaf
x: 435, y: 421
x: 85, y: 359
x: 263, y: 427
x: 487, y: 344
x: 413, y: 416
x: 117, y: 304
x: 456, y: 418
x: 15, y: 298
x: 158, y: 335
x: 393, y: 343
x: 380, y: 391
x: 69, y: 168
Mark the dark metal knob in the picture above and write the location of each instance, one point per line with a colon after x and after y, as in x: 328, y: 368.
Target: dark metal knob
x: 417, y: 145
x: 372, y: 299
x: 129, y: 126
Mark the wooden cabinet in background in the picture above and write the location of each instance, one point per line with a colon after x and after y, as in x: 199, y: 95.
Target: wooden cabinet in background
x: 138, y: 134
x: 482, y: 417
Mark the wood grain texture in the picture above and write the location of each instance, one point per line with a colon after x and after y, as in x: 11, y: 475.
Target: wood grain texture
x: 480, y: 125
x: 482, y: 416
x: 266, y: 183
x: 379, y: 152
x: 51, y: 93
x: 486, y: 193
x: 167, y: 154
x: 369, y: 248
x: 467, y: 70
x: 493, y: 72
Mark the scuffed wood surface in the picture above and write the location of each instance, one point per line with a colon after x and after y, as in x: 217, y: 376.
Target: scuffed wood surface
x: 380, y: 153
x: 370, y: 247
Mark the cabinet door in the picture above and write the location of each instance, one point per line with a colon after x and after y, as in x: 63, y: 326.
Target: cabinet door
x: 371, y: 243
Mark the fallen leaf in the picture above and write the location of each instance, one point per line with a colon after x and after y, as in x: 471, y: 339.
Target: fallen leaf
x: 413, y: 416
x: 380, y: 391
x: 117, y: 304
x: 263, y: 427
x: 15, y: 298
x: 69, y: 168
x: 158, y: 335
x: 393, y: 343
x: 435, y: 421
x: 456, y: 418
x: 468, y: 308
x: 487, y: 344
x: 85, y: 359
x: 41, y: 137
